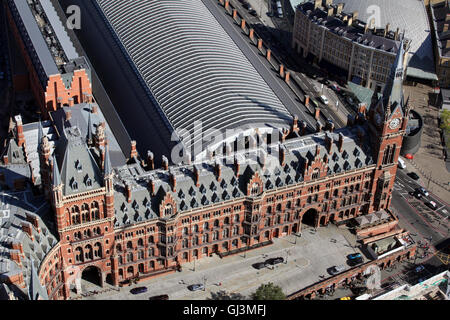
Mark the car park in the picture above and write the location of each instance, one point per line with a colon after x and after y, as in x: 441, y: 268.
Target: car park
x: 138, y: 290
x: 274, y: 261
x: 259, y: 265
x: 159, y: 297
x: 414, y: 175
x: 423, y: 191
x: 196, y: 287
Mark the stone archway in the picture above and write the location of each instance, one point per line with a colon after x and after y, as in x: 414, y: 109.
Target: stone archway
x: 309, y: 217
x: 92, y: 276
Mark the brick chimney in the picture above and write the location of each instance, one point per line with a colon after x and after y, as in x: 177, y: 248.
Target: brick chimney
x: 33, y: 219
x: 287, y: 76
x: 17, y: 245
x: 341, y: 142
x: 133, y: 152
x: 282, y: 155
x: 68, y: 115
x: 15, y: 256
x: 268, y: 54
x: 339, y: 8
x: 251, y: 34
x: 260, y: 44
x: 306, y: 100
x: 27, y: 228
x: 173, y: 181
x: 329, y: 142
x: 218, y: 171
x: 19, y: 128
x: 94, y: 109
x: 319, y: 126
x: 152, y: 187
x: 243, y: 24
x: 150, y: 160
x: 165, y: 163
x: 317, y: 113
x: 304, y: 126
x: 281, y: 70
x: 295, y: 124
x: 196, y: 176
x: 128, y: 191
x: 236, y: 167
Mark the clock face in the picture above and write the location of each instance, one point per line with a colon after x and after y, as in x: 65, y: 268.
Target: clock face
x: 394, y: 123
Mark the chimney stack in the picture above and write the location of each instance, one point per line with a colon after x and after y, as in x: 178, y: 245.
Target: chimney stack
x: 295, y: 124
x: 94, y: 109
x: 236, y: 166
x: 341, y: 142
x: 317, y: 114
x: 329, y: 142
x: 304, y: 126
x: 165, y: 163
x: 128, y: 190
x: 282, y: 152
x: 152, y: 186
x: 218, y: 170
x: 68, y: 115
x: 19, y: 128
x: 133, y: 152
x: 150, y: 160
x: 196, y: 176
x: 173, y: 181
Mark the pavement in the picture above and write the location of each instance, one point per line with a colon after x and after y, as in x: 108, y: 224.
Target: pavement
x: 429, y: 162
x: 308, y: 257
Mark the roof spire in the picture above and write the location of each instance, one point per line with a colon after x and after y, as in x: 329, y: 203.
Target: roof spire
x: 35, y: 289
x: 89, y: 128
x: 56, y: 175
x: 108, y: 167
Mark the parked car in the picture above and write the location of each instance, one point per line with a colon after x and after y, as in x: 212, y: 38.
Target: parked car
x: 414, y: 175
x: 354, y: 256
x: 417, y: 194
x: 274, y: 261
x: 259, y: 265
x: 355, y: 261
x: 423, y: 191
x: 246, y: 5
x: 432, y: 205
x: 401, y: 163
x: 419, y: 269
x: 323, y: 99
x: 350, y: 100
x: 160, y: 297
x: 196, y: 287
x: 335, y: 87
x: 336, y: 269
x: 253, y: 12
x: 138, y: 290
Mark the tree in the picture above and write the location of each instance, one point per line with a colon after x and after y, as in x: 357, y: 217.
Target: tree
x: 445, y: 120
x: 268, y: 291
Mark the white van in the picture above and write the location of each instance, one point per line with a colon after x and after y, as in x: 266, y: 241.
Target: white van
x: 401, y: 163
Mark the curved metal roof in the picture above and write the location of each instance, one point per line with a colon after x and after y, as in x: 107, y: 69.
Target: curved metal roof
x: 192, y: 67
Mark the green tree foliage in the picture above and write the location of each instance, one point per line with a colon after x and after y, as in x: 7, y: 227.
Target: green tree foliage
x: 268, y: 292
x: 445, y: 120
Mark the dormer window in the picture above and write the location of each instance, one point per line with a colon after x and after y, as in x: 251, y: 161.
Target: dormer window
x: 88, y: 182
x: 74, y: 185
x: 168, y: 209
x: 78, y: 166
x: 255, y: 189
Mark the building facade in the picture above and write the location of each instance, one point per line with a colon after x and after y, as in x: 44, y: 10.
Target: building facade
x: 363, y: 53
x: 440, y: 21
x: 57, y: 75
x: 121, y: 223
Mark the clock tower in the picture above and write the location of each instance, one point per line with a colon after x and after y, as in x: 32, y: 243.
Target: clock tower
x: 388, y: 117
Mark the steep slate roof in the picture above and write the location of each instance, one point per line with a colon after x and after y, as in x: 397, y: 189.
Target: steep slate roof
x: 192, y: 67
x: 143, y: 206
x: 393, y: 91
x: 79, y: 169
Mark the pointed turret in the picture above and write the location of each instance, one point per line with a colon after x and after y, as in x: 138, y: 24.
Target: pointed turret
x: 108, y: 167
x: 35, y: 289
x: 393, y: 91
x: 56, y: 175
x: 89, y: 128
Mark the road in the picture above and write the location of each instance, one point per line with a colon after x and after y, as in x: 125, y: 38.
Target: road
x: 428, y: 227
